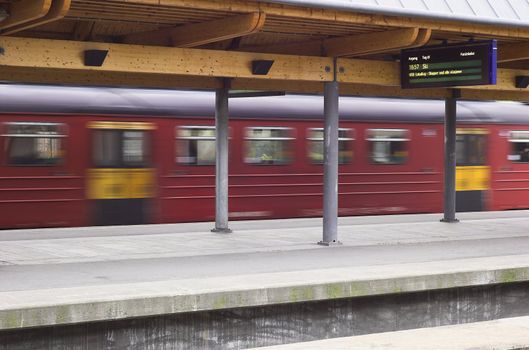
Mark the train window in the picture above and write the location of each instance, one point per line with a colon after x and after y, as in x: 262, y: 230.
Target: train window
x: 388, y: 146
x: 268, y: 145
x: 114, y: 148
x: 34, y: 143
x: 134, y: 148
x: 106, y: 151
x: 519, y: 141
x: 196, y: 145
x: 460, y: 149
x: 471, y: 149
x: 315, y: 149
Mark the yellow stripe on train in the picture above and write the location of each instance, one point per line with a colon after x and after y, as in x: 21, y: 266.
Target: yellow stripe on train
x: 472, y: 178
x: 121, y: 183
x: 472, y: 131
x: 121, y: 125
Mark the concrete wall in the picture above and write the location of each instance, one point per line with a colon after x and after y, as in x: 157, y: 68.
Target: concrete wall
x: 279, y: 324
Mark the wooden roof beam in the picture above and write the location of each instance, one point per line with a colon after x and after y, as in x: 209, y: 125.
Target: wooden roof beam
x: 191, y: 35
x: 58, y: 9
x: 378, y: 42
x: 25, y: 11
x: 513, y: 52
x: 354, y: 45
x: 306, y: 48
x: 523, y: 64
x: 84, y: 30
x: 44, y: 57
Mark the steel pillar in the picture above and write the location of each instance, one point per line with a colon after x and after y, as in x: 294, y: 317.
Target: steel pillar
x: 330, y: 166
x: 450, y: 158
x: 221, y: 168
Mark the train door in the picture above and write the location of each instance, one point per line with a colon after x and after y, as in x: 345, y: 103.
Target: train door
x: 121, y: 183
x: 472, y: 172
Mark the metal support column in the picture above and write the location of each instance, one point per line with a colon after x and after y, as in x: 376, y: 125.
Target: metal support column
x: 221, y: 168
x: 450, y: 157
x: 330, y: 157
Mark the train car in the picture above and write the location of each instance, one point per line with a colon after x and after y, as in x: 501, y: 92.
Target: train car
x: 73, y: 156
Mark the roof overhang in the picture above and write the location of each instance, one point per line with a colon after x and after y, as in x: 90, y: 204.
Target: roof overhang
x: 197, y: 43
x: 497, y: 12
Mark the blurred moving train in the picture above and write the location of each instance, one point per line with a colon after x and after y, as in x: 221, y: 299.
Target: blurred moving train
x: 73, y: 156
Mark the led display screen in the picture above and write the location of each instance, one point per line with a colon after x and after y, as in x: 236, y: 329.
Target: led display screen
x: 449, y: 65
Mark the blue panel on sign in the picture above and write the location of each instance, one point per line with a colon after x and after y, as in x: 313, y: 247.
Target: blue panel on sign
x: 494, y: 62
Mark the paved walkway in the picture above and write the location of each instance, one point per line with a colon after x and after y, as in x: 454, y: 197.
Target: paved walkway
x: 505, y: 334
x: 90, y: 244
x: 90, y: 274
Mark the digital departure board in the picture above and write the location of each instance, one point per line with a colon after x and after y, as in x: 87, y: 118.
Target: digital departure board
x: 449, y: 65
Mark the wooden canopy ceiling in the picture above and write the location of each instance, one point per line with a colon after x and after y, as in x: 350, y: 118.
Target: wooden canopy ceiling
x: 192, y: 43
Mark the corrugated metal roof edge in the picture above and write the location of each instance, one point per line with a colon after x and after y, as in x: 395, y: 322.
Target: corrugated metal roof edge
x: 392, y: 11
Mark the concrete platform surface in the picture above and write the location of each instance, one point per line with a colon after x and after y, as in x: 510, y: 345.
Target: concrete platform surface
x: 503, y: 334
x: 62, y: 276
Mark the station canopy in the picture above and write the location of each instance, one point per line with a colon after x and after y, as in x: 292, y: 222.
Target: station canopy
x: 194, y: 43
x: 498, y: 12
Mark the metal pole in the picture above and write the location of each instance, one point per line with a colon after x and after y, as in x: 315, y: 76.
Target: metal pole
x: 330, y: 167
x: 221, y: 168
x: 450, y: 158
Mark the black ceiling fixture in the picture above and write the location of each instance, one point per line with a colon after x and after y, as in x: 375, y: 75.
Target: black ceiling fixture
x: 261, y: 67
x: 522, y: 81
x: 95, y: 58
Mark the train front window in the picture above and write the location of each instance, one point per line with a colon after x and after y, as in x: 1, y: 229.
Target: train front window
x: 471, y: 149
x: 519, y: 146
x: 268, y: 145
x: 315, y: 149
x: 34, y: 143
x: 196, y: 145
x: 388, y: 146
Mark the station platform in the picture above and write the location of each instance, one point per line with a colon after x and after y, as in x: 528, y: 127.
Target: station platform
x: 68, y: 276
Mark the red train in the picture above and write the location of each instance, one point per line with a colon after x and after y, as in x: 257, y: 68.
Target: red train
x: 92, y: 156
